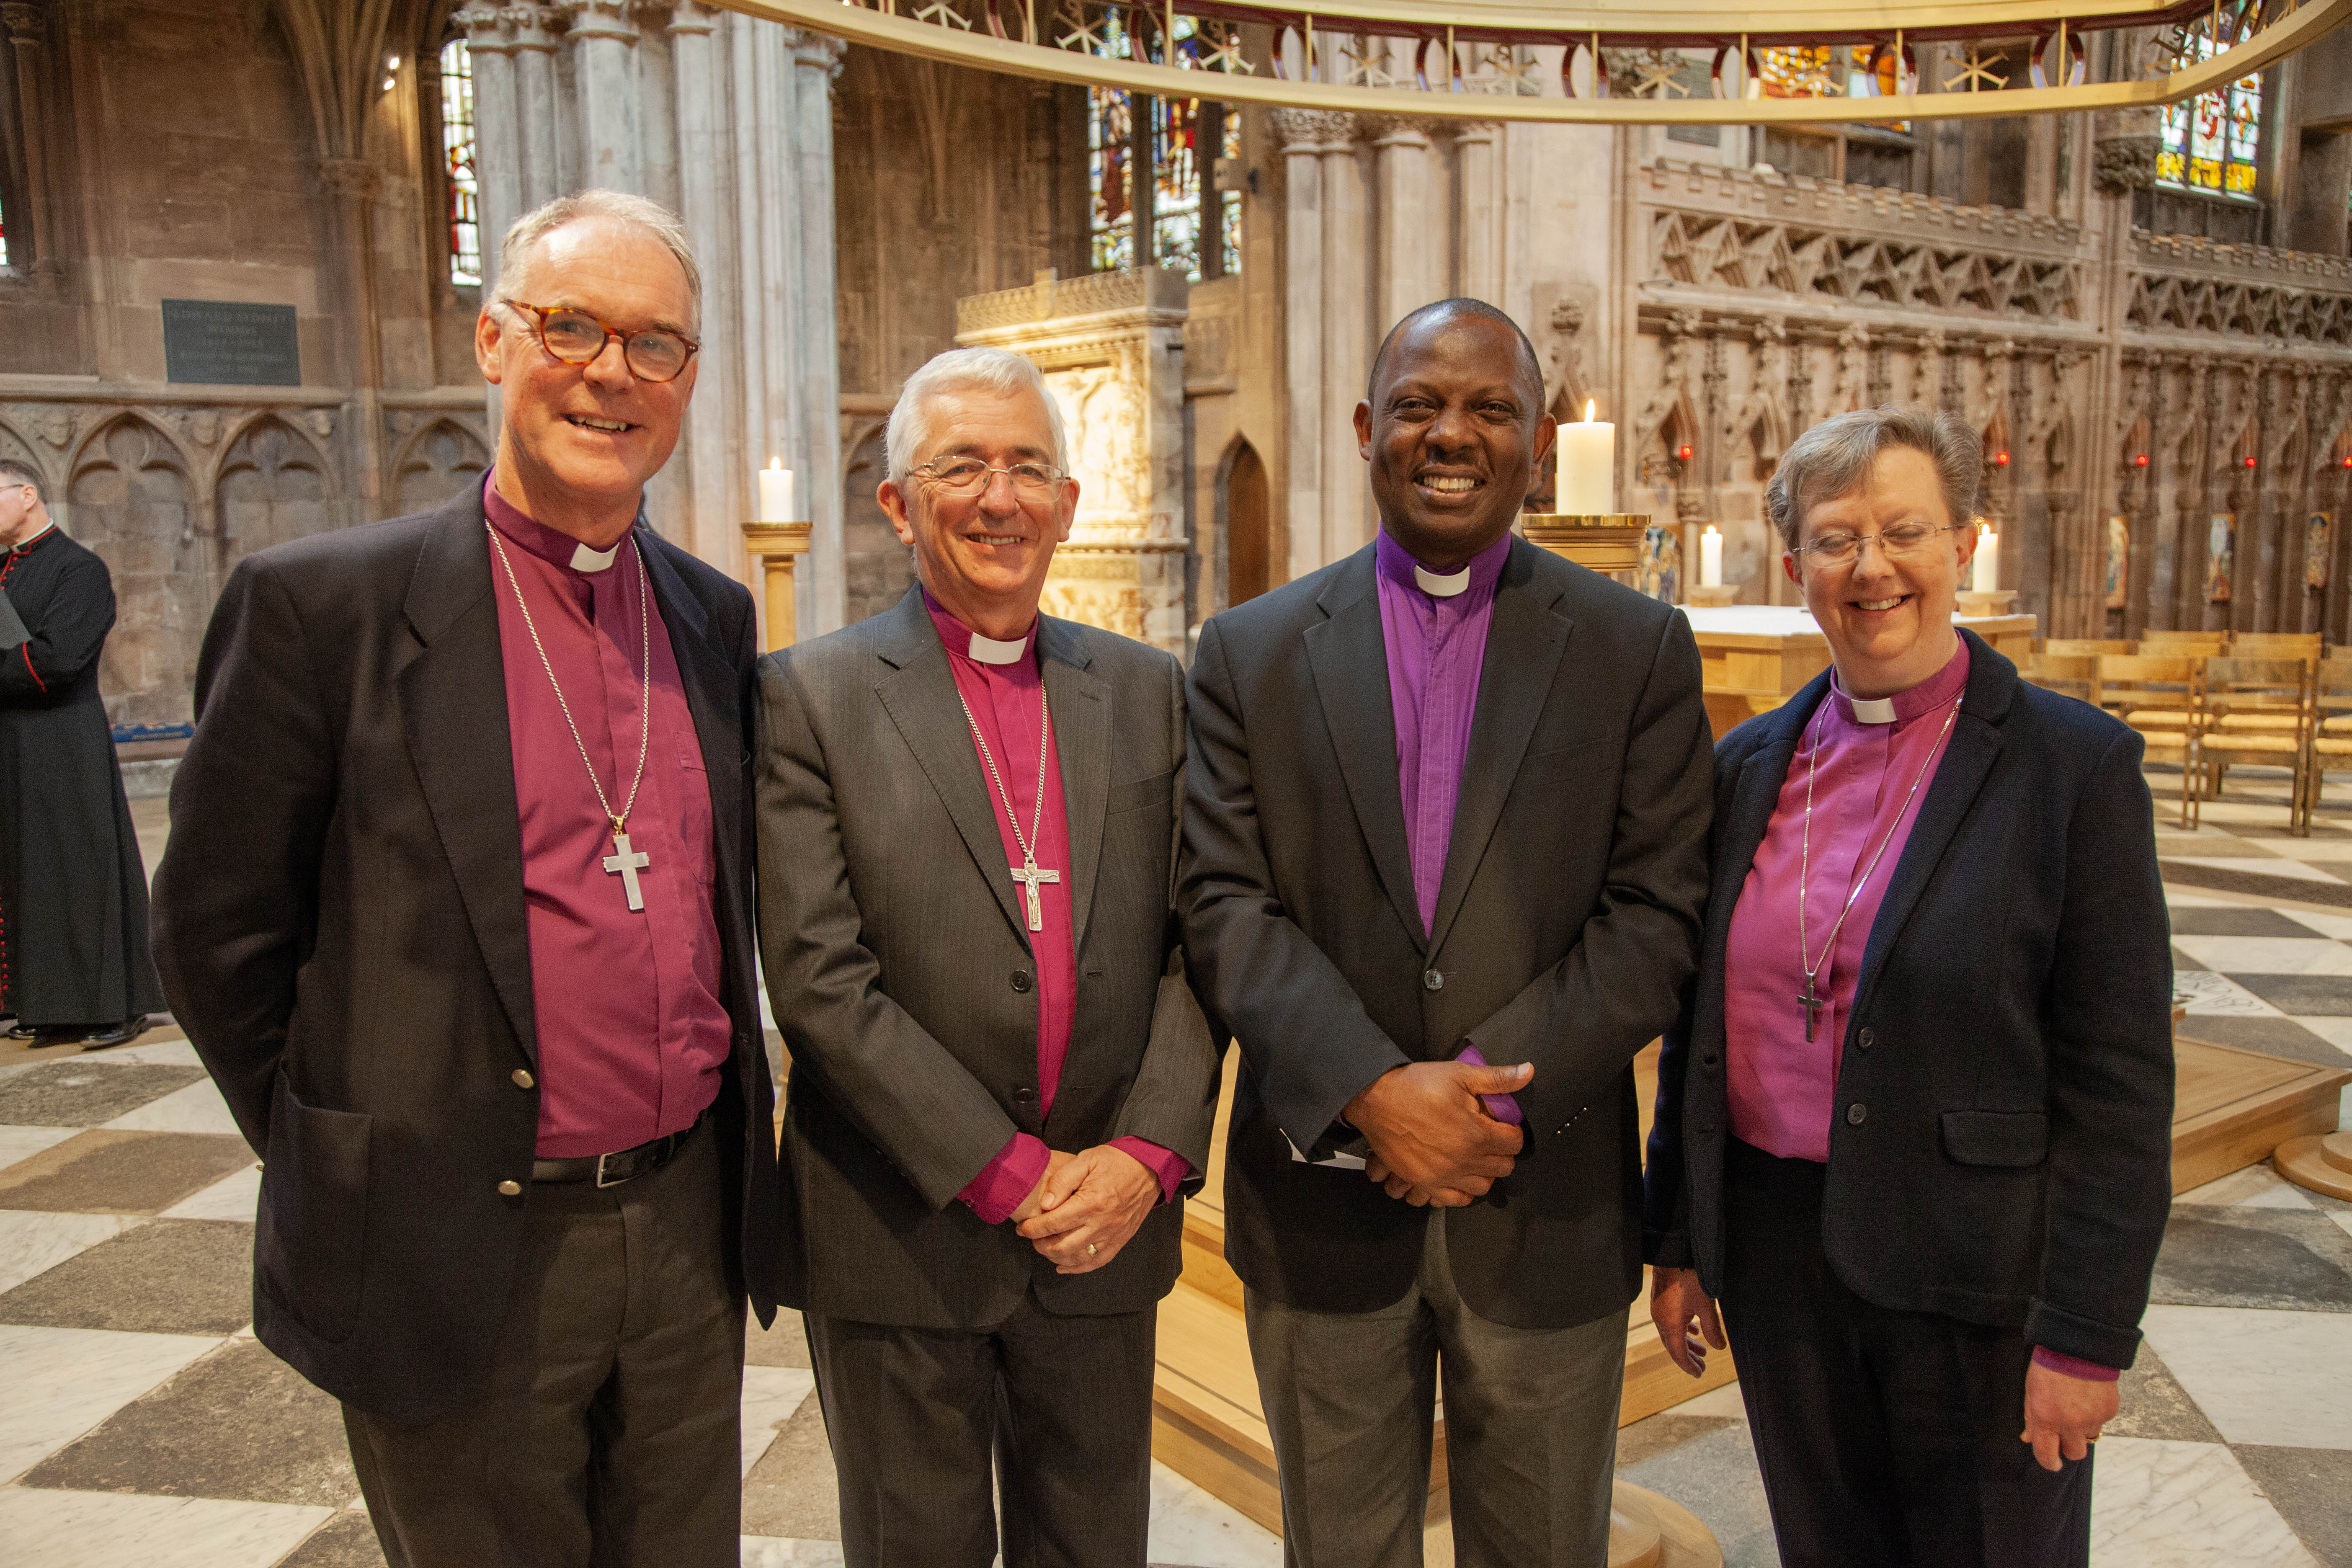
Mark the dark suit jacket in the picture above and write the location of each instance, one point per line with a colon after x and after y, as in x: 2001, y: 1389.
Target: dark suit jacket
x: 899, y: 968
x: 1567, y: 923
x: 339, y: 922
x: 2010, y: 1038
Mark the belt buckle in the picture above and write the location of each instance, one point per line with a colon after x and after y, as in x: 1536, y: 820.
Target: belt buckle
x: 600, y: 1182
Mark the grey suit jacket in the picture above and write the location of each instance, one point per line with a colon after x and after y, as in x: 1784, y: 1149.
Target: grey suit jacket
x: 899, y: 967
x: 1566, y: 930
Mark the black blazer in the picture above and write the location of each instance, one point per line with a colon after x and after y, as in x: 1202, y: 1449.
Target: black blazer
x: 2011, y: 1041
x: 339, y: 922
x: 899, y: 966
x: 1567, y: 923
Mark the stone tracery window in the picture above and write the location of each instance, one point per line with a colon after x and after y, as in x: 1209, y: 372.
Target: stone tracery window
x: 1185, y: 202
x: 457, y: 145
x: 2212, y: 143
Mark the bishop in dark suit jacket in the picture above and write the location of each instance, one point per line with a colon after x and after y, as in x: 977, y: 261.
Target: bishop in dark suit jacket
x: 458, y: 909
x: 1448, y: 804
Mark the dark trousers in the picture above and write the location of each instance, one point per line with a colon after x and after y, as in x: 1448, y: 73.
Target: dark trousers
x: 611, y: 1432
x: 1885, y: 1438
x: 1059, y: 1408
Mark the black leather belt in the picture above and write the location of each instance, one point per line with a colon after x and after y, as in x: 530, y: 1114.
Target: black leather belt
x: 622, y: 1166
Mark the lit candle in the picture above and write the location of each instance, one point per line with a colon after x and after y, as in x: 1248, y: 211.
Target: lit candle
x: 1987, y: 565
x: 776, y: 499
x: 1587, y: 466
x: 1710, y: 558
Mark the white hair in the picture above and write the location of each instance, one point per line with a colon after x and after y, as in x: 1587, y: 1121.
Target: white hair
x: 613, y: 206
x: 961, y: 370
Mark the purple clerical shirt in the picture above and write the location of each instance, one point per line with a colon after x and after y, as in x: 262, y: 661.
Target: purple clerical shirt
x: 631, y: 1033
x: 1860, y: 761
x: 1004, y: 689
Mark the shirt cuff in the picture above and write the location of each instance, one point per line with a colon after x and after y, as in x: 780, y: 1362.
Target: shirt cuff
x: 2074, y: 1366
x: 1007, y: 1179
x: 1171, y: 1168
x: 1501, y: 1107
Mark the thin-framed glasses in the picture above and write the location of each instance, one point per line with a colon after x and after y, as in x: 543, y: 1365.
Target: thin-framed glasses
x: 969, y: 476
x: 575, y: 337
x: 1904, y: 538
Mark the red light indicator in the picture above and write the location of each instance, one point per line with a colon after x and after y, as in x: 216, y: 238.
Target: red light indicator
x: 2139, y: 460
x: 2000, y: 460
x: 1684, y: 451
x: 2249, y: 462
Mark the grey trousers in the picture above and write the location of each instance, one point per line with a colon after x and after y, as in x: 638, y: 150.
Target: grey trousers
x: 1059, y: 1409
x: 611, y: 1432
x: 1530, y: 1428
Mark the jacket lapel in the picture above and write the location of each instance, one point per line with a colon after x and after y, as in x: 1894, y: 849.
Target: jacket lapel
x: 918, y: 692
x: 1525, y: 642
x: 1082, y: 727
x: 1967, y: 761
x: 707, y: 673
x: 453, y: 706
x: 1351, y: 661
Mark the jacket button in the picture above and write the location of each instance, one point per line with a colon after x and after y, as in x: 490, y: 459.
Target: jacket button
x: 522, y: 1078
x: 510, y: 1189
x: 1432, y: 981
x: 1867, y: 1039
x: 1021, y: 981
x: 1025, y: 1095
x: 1709, y: 1060
x: 1856, y: 1114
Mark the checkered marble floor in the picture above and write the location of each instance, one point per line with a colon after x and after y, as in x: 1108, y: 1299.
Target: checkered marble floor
x: 143, y: 1424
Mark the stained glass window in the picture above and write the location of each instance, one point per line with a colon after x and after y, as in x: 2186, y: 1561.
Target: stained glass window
x: 1178, y: 165
x: 457, y: 158
x: 2212, y: 143
x: 1797, y: 72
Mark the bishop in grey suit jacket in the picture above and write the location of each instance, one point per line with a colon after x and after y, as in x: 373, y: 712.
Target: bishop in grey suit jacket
x: 912, y: 977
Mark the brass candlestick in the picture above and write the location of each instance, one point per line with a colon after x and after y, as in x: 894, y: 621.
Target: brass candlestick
x: 776, y: 546
x: 1607, y: 541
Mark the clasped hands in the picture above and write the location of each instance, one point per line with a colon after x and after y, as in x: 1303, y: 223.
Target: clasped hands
x: 2063, y: 1414
x: 1434, y: 1141
x: 1096, y: 1197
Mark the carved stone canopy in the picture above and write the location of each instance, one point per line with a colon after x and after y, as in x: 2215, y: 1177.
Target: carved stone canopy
x: 2122, y: 164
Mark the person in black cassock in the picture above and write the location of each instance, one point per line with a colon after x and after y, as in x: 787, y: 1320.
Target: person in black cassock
x: 74, y: 963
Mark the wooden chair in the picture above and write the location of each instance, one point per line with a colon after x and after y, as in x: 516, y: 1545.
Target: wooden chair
x: 2331, y: 730
x: 2166, y: 643
x: 2072, y: 674
x: 2085, y: 647
x: 2259, y: 710
x: 2163, y: 698
x: 2277, y: 644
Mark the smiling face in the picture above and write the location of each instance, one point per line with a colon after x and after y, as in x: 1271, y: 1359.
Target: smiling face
x: 577, y: 443
x: 1888, y: 620
x: 984, y: 556
x: 1454, y: 429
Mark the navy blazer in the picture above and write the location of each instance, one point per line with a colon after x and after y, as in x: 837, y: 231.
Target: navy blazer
x: 2001, y: 1147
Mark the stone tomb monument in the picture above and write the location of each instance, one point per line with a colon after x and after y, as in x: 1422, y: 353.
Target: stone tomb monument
x: 1111, y: 346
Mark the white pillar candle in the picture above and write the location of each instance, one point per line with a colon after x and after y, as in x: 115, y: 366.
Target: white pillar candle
x: 1588, y: 467
x: 776, y: 499
x: 1986, y: 578
x: 1710, y: 558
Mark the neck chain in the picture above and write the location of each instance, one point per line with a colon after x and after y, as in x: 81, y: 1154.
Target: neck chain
x: 1812, y: 1002
x: 620, y: 818
x: 1027, y: 873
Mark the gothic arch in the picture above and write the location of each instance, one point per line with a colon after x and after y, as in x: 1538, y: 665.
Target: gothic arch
x: 131, y: 498
x: 15, y: 444
x: 1246, y: 521
x: 273, y: 485
x: 877, y: 568
x: 436, y: 463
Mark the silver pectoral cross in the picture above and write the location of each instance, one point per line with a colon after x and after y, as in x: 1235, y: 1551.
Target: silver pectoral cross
x: 1029, y: 877
x: 628, y: 863
x: 1812, y: 1003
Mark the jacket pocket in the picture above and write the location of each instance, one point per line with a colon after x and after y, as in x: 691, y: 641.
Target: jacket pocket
x: 311, y: 1243
x: 1137, y: 794
x: 1996, y: 1137
x: 1567, y: 763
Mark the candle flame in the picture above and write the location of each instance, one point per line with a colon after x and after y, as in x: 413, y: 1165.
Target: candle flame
x: 775, y: 463
x: 1710, y: 532
x: 1588, y: 409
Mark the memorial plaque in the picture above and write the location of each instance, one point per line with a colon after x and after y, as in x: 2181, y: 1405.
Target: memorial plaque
x: 228, y: 343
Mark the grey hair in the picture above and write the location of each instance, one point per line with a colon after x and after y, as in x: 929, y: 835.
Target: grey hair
x: 1833, y: 459
x: 16, y: 471
x: 961, y: 370
x: 615, y: 207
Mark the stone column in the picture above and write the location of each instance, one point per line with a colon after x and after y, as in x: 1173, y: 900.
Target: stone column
x: 24, y: 24
x: 656, y: 104
x: 353, y: 185
x: 1477, y: 262
x: 543, y: 168
x: 1401, y: 155
x: 1347, y: 307
x: 498, y: 129
x: 816, y: 60
x: 715, y: 490
x: 604, y: 93
x: 1301, y: 132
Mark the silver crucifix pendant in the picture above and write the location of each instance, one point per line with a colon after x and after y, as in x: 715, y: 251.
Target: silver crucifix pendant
x: 1028, y: 876
x: 627, y: 864
x: 1812, y: 1005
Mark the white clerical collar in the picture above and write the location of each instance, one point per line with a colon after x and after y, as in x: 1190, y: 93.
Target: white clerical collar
x: 27, y: 544
x: 1439, y: 587
x: 988, y: 650
x: 587, y: 559
x: 1871, y: 709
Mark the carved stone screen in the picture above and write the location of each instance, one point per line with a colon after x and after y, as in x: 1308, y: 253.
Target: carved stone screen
x: 228, y: 343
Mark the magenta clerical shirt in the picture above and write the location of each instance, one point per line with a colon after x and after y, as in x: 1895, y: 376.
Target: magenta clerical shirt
x: 631, y: 1033
x: 1004, y: 692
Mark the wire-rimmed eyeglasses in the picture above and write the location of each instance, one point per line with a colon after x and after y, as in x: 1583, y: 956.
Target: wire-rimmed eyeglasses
x: 969, y: 476
x: 1904, y: 538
